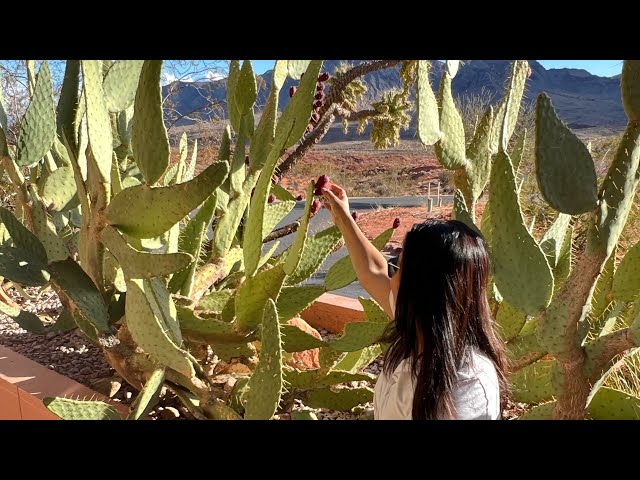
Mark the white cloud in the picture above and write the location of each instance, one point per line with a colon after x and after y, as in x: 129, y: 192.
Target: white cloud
x: 211, y: 75
x: 168, y: 78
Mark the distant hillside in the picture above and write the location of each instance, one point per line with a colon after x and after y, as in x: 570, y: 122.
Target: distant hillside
x: 583, y: 100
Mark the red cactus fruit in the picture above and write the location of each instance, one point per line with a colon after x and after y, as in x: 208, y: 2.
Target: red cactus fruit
x: 317, y: 104
x: 396, y: 223
x: 323, y: 77
x: 354, y: 215
x: 246, y: 160
x: 310, y: 128
x: 315, y: 117
x: 315, y: 206
x: 299, y: 198
x: 322, y: 182
x: 292, y: 91
x: 319, y: 96
x: 320, y: 87
x: 271, y: 199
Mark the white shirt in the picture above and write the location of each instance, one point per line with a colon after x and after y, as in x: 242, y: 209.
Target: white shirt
x: 476, y: 394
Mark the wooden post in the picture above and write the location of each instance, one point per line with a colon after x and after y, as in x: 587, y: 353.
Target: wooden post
x: 430, y: 204
x: 438, y: 193
x: 429, y: 191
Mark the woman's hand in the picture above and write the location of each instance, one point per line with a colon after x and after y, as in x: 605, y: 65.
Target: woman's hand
x: 337, y: 203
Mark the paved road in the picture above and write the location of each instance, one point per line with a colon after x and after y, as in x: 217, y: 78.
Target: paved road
x: 323, y: 220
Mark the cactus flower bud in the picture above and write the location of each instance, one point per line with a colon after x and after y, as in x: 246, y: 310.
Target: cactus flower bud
x: 246, y: 160
x: 323, y: 77
x: 292, y: 91
x: 396, y: 223
x: 271, y: 199
x: 322, y: 182
x: 320, y: 87
x: 315, y: 206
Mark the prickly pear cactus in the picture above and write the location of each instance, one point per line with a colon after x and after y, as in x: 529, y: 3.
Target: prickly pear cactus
x: 144, y: 279
x: 564, y: 319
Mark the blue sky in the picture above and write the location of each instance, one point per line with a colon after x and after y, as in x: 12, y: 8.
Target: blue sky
x: 604, y: 68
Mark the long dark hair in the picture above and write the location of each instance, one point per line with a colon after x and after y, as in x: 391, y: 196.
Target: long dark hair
x: 442, y: 313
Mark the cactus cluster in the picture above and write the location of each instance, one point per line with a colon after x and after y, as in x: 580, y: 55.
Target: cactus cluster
x: 121, y: 236
x: 565, y: 320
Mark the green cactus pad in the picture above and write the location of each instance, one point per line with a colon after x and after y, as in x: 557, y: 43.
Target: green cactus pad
x: 121, y: 83
x: 60, y: 190
x: 282, y: 193
x: 38, y: 126
x: 22, y: 238
x: 227, y: 351
x: 540, y: 412
x: 554, y: 238
x: 191, y: 242
x: 19, y: 266
x: 246, y: 89
x: 149, y: 136
x: 215, y: 301
x: 342, y: 273
x: 264, y: 136
x: 626, y: 282
x: 518, y: 151
x: 295, y: 117
x: 526, y: 346
x: 254, y: 293
x: 268, y: 254
x: 328, y: 357
x: 316, y: 251
x: 513, y: 96
x: 303, y: 415
x: 630, y: 87
x: 238, y: 171
x: 70, y: 279
x: 148, y: 396
x: 564, y: 167
x: 151, y: 319
x: 427, y: 106
x: 604, y: 292
x: 344, y: 399
x: 46, y: 230
x: 293, y: 300
x: 136, y: 264
x: 266, y: 384
x: 373, y: 312
x: 209, y: 329
x: 358, y: 335
x: 532, y: 384
x: 98, y: 122
x: 461, y: 212
x: 227, y: 226
x: 65, y: 322
x: 69, y: 98
x: 617, y: 192
x: 146, y: 212
x: 113, y: 274
x: 479, y: 154
x: 510, y: 321
x: 307, y: 379
x: 296, y: 340
x: 612, y: 404
x: 191, y: 168
x: 27, y: 320
x: 295, y: 253
x: 69, y: 409
x: 450, y: 149
x: 274, y: 214
x: 232, y: 82
x: 297, y: 68
x: 353, y: 362
x: 521, y: 270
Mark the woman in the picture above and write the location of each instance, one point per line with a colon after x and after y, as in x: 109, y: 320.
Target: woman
x: 444, y: 360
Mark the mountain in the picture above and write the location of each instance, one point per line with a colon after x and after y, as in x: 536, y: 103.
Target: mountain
x: 582, y: 100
